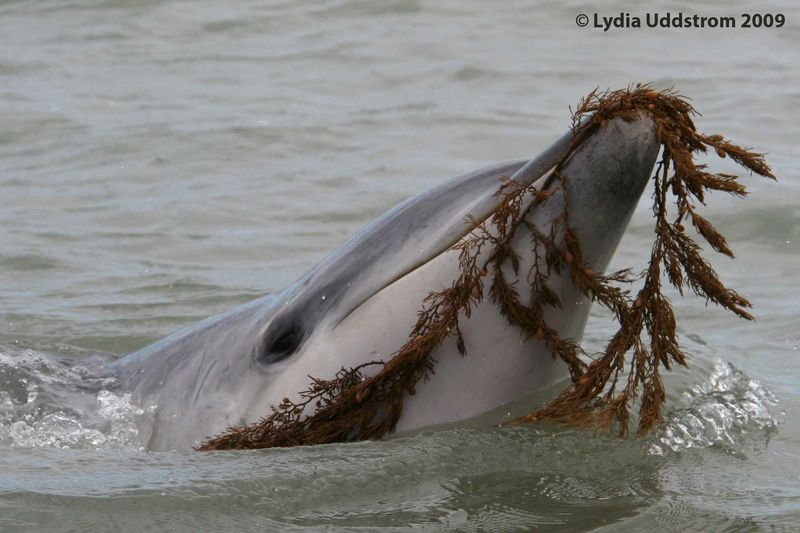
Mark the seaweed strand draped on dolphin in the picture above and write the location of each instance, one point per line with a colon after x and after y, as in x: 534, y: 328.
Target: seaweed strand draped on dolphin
x: 360, y: 303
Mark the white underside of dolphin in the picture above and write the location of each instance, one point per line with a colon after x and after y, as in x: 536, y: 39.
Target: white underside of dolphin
x: 361, y: 302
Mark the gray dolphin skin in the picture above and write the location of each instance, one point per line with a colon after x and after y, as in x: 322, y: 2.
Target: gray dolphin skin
x: 360, y: 303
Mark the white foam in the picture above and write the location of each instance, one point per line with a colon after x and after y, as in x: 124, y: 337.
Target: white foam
x: 46, y: 403
x: 721, y: 411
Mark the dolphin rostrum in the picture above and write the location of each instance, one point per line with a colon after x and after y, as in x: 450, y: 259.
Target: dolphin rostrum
x: 360, y: 303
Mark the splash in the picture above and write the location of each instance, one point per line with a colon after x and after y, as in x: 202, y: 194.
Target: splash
x: 48, y: 402
x: 726, y: 410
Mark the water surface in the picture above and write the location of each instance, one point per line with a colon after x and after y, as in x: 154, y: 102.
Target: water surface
x: 163, y: 161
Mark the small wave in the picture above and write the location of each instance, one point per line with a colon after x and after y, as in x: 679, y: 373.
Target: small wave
x: 48, y: 402
x: 727, y: 410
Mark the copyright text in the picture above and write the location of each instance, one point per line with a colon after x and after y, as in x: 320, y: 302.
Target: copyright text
x: 625, y: 20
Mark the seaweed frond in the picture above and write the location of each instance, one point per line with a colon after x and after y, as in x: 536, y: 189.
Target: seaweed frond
x: 359, y: 405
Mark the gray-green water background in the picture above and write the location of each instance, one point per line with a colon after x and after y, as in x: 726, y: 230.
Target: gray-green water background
x: 162, y: 161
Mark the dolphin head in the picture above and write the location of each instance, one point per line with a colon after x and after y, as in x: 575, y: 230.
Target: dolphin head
x: 360, y: 303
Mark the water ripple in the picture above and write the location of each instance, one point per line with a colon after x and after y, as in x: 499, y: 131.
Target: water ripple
x: 723, y: 411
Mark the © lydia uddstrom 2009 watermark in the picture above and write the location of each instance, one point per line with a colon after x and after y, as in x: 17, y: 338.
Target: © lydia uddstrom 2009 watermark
x: 679, y: 20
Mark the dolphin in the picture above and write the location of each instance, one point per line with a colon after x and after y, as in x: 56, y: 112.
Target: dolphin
x: 360, y: 303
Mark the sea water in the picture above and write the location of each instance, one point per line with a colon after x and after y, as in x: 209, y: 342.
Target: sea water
x: 162, y: 161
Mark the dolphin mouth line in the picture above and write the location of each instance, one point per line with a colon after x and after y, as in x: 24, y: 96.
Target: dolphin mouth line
x: 471, y: 224
x: 408, y: 236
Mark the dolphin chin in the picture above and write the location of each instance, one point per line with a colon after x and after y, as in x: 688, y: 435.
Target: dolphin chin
x: 360, y: 303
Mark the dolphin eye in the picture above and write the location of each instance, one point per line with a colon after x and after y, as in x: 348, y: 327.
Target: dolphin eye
x: 281, y: 344
x: 286, y: 343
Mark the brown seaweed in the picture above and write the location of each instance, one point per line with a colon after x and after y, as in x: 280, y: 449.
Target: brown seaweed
x: 356, y: 406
